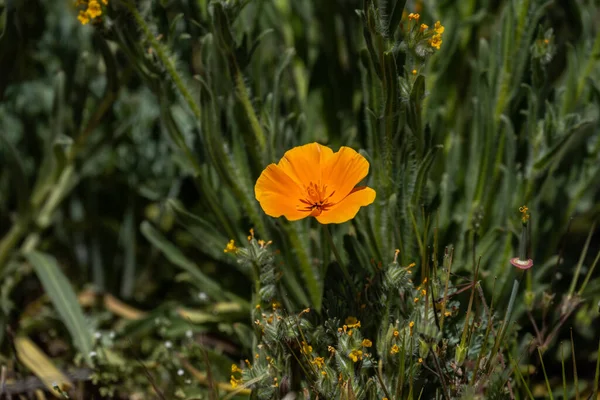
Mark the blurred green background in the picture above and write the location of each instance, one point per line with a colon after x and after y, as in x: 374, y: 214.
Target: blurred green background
x: 129, y: 148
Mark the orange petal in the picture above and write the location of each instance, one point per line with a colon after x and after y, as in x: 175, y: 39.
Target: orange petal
x: 343, y: 171
x: 278, y: 194
x: 304, y: 163
x: 346, y: 209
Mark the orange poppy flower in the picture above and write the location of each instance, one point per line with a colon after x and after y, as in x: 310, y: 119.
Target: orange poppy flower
x: 313, y: 181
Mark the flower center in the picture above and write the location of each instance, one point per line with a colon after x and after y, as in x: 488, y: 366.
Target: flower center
x: 316, y: 199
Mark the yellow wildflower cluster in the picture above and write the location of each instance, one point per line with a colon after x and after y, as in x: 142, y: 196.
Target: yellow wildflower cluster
x: 395, y: 349
x: 306, y: 348
x: 524, y: 213
x: 356, y: 355
x: 351, y: 322
x: 436, y: 39
x: 318, y: 361
x: 234, y: 381
x: 89, y: 10
x: 231, y: 247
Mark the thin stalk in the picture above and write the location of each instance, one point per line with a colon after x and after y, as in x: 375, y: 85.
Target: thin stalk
x: 520, y: 376
x: 448, y: 266
x: 400, y: 385
x: 597, y: 377
x: 506, y: 323
x: 337, y: 254
x: 564, y: 375
x: 581, y: 258
x: 410, y: 383
x: 575, y: 379
x: 545, y: 375
x: 589, y: 274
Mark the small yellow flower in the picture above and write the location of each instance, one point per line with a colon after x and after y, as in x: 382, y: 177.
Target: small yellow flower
x: 257, y: 306
x: 411, y: 326
x: 83, y: 18
x: 366, y: 343
x: 414, y: 71
x: 416, y: 299
x: 324, y: 373
x: 420, y: 360
x: 351, y: 320
x: 414, y: 16
x: 525, y: 216
x: 396, y: 333
x: 94, y: 9
x: 395, y: 349
x: 423, y: 292
x: 331, y: 349
x: 235, y: 368
x: 447, y: 313
x: 318, y: 361
x: 423, y: 27
x: 436, y: 41
x: 234, y: 381
x: 439, y: 29
x: 306, y: 348
x: 231, y: 247
x: 356, y: 355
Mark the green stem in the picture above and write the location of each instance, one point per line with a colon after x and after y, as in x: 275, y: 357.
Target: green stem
x: 523, y: 244
x: 161, y: 53
x: 505, y: 324
x: 581, y: 259
x: 337, y: 254
x: 10, y: 240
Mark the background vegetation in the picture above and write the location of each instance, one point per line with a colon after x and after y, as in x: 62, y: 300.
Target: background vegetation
x: 129, y: 149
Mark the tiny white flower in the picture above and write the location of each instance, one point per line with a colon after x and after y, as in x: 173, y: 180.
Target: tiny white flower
x: 97, y: 335
x: 93, y: 354
x: 168, y: 344
x: 180, y: 372
x: 202, y: 296
x: 189, y: 334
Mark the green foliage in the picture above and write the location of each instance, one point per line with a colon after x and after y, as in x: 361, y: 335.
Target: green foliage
x: 129, y: 150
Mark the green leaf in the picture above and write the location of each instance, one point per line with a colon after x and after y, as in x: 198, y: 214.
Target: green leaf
x: 556, y: 152
x: 64, y: 299
x: 175, y: 256
x: 421, y: 178
x: 390, y: 12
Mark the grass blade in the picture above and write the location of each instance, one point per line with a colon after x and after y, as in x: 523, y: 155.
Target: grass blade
x: 64, y: 299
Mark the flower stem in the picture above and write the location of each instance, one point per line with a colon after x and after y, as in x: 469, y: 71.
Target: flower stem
x: 523, y: 244
x: 337, y: 254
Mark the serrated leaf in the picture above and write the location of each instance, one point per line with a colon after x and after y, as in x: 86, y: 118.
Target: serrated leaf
x: 64, y: 299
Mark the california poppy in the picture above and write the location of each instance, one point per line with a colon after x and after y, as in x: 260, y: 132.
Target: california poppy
x: 313, y: 181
